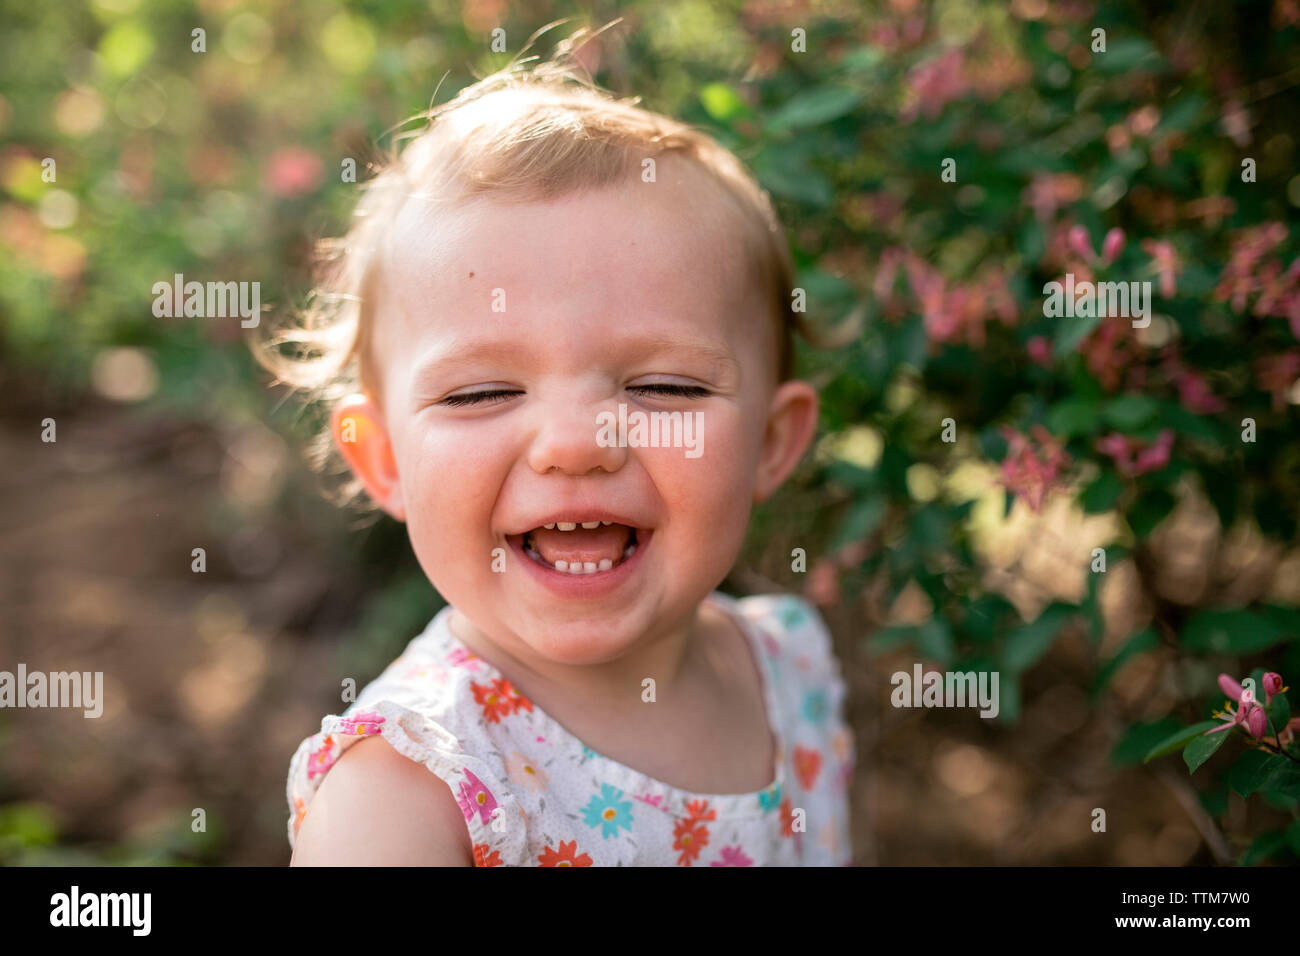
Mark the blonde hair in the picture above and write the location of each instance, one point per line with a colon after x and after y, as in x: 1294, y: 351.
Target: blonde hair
x: 522, y: 134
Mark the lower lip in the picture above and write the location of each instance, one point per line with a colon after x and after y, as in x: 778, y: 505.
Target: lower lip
x: 564, y: 584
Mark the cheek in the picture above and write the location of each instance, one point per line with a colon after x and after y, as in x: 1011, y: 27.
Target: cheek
x: 712, y: 493
x: 450, y: 484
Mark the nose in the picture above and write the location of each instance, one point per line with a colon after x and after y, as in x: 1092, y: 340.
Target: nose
x: 567, y: 443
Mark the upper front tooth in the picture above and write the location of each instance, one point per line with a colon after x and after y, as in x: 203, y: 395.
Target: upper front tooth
x: 550, y: 526
x: 566, y: 525
x: 591, y: 524
x: 605, y: 522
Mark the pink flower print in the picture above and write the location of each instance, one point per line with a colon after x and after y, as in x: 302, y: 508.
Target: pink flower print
x: 464, y: 657
x: 361, y: 724
x: 525, y: 772
x: 475, y: 796
x: 321, y: 759
x: 732, y: 856
x: 655, y: 800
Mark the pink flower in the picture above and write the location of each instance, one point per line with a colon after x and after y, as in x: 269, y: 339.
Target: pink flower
x: 293, y: 171
x: 1040, y: 350
x: 1149, y: 458
x: 1048, y: 192
x: 1081, y: 244
x: 1193, y: 390
x: 933, y: 84
x: 1238, y: 279
x: 1112, y: 246
x: 1029, y: 473
x: 1164, y: 263
x: 1278, y: 374
x: 1248, y: 714
x: 1272, y: 685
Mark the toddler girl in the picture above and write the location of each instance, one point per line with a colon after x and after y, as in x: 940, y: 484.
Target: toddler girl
x: 543, y: 261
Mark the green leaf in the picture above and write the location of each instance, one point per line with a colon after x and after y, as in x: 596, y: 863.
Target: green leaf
x: 1179, y: 739
x: 1265, y: 845
x: 1183, y: 112
x: 1130, y: 412
x: 1073, y: 416
x: 1279, y: 712
x: 1252, y: 770
x: 1230, y: 632
x: 1144, y: 640
x: 934, y: 641
x: 1293, y: 837
x: 1128, y: 54
x: 1030, y: 642
x: 1071, y: 331
x: 721, y: 102
x: 888, y: 638
x: 814, y: 108
x: 1149, y: 510
x: 1201, y: 748
x: 1102, y: 494
x: 862, y: 519
x: 1140, y: 738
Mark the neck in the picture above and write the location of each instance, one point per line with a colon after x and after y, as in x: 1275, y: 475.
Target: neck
x: 665, y: 654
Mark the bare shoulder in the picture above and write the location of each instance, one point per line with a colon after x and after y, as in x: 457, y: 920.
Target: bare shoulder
x: 375, y: 807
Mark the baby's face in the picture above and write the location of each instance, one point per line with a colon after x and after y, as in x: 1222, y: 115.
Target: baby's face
x: 503, y: 331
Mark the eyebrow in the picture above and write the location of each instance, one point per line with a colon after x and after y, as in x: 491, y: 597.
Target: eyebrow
x: 459, y: 351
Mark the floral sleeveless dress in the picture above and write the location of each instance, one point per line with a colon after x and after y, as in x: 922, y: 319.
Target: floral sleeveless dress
x: 533, y: 794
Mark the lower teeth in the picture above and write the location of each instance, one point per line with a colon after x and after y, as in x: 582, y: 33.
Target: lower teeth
x: 576, y: 567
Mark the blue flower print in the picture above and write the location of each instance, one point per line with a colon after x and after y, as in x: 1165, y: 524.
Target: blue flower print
x: 608, y: 811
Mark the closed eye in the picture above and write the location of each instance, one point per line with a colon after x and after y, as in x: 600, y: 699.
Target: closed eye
x: 476, y: 398
x: 681, y: 391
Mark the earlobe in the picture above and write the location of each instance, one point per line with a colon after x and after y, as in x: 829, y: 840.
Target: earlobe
x: 357, y: 426
x: 791, y: 423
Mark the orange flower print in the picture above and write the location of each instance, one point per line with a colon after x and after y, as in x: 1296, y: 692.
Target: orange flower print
x: 692, y: 837
x: 787, y: 818
x: 499, y: 699
x: 483, y: 858
x: 524, y: 771
x: 300, y: 808
x: 564, y: 856
x: 699, y: 810
x: 807, y: 764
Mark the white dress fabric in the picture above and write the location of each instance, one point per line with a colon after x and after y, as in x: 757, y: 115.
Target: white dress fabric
x: 533, y: 794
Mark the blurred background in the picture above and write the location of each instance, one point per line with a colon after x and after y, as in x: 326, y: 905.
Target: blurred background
x: 935, y: 164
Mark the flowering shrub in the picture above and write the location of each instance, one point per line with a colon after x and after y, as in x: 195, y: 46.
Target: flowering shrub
x: 939, y: 166
x: 940, y: 185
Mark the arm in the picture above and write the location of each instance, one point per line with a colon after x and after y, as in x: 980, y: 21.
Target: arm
x: 377, y: 808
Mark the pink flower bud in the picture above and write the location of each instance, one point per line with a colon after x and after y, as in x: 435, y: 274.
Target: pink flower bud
x: 1112, y: 245
x: 1080, y: 243
x: 1272, y: 682
x: 1040, y: 350
x: 1230, y: 687
x: 1257, y: 721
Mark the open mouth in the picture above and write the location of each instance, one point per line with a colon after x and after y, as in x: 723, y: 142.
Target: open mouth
x: 586, y: 547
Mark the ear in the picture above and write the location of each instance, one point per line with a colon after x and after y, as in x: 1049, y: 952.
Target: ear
x: 791, y: 423
x: 357, y: 426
